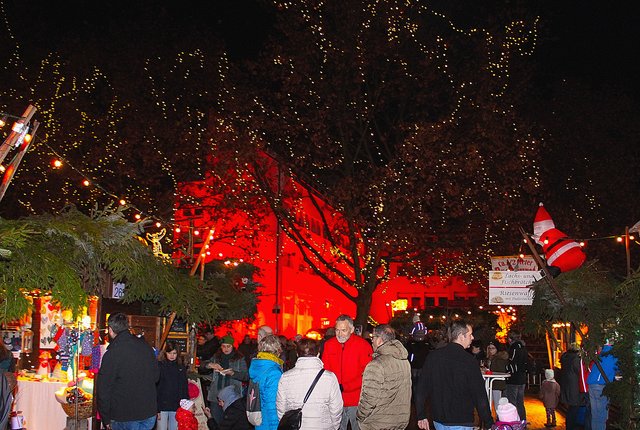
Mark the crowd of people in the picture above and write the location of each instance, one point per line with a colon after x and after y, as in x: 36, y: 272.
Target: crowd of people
x: 361, y: 382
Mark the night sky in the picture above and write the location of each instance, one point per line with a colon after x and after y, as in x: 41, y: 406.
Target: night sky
x: 586, y: 39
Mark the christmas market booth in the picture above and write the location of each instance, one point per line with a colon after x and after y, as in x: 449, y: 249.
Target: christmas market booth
x: 62, y: 275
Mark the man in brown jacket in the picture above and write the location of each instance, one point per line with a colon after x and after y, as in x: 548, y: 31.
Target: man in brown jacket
x: 385, y: 399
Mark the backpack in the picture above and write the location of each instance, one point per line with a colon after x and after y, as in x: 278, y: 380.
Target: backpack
x: 254, y: 408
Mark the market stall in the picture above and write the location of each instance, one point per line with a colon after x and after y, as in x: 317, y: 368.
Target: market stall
x: 60, y: 383
x: 36, y: 399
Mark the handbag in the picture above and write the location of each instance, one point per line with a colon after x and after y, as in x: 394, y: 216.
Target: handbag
x: 292, y: 419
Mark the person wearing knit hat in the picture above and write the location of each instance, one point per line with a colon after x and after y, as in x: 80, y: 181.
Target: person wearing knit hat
x: 229, y: 369
x: 227, y: 340
x: 418, y: 330
x: 185, y: 415
x: 235, y: 413
x: 187, y: 404
x: 227, y: 396
x: 507, y: 412
x: 550, y: 395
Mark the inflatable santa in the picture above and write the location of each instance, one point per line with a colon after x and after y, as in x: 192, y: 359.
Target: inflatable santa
x: 562, y: 254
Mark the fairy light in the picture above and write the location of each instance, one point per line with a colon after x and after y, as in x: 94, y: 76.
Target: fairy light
x: 166, y: 77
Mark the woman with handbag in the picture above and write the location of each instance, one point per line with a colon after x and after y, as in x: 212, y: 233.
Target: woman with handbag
x: 323, y: 408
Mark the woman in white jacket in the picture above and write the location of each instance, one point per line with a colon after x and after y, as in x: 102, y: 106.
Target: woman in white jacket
x: 323, y: 409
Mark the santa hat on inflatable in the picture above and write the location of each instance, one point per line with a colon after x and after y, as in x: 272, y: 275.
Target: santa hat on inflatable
x: 562, y: 254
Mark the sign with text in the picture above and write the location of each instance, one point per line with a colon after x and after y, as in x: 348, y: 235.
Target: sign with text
x: 513, y: 262
x: 511, y: 287
x: 117, y: 291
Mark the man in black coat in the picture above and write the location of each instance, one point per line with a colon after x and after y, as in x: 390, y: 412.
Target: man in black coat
x: 452, y: 383
x: 126, y: 385
x: 517, y: 367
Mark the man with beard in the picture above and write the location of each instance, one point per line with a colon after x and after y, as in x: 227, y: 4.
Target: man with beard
x: 347, y: 355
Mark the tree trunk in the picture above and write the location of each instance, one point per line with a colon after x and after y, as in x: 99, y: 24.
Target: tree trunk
x: 363, y: 305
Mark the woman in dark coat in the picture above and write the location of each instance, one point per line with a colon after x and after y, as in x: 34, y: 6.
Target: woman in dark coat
x: 570, y: 393
x: 172, y: 386
x: 497, y: 360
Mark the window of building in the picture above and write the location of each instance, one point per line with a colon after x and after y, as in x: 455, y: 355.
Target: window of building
x: 415, y: 302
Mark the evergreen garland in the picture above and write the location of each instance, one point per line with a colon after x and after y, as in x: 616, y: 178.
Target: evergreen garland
x: 72, y: 255
x: 608, y: 309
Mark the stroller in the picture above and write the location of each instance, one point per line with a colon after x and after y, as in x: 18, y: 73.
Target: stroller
x: 510, y: 425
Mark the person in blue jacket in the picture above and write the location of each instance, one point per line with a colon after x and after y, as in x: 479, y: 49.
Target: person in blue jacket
x: 600, y: 403
x: 266, y: 370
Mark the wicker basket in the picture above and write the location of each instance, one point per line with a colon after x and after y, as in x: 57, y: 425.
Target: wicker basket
x: 85, y: 409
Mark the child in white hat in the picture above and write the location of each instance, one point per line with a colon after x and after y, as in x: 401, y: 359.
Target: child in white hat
x: 507, y: 412
x: 186, y: 415
x: 550, y: 395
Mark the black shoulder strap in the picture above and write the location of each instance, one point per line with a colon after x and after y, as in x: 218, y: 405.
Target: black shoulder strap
x: 315, y: 381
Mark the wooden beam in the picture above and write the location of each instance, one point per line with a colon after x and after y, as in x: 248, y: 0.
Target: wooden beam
x: 13, y: 136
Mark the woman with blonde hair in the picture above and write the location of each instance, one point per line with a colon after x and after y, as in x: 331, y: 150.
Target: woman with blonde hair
x: 266, y: 370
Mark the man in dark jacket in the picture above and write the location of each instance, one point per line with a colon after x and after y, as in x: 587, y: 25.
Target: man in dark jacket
x: 452, y: 382
x: 126, y: 385
x: 517, y: 367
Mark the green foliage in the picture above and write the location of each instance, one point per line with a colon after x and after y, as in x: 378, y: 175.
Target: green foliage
x: 588, y: 293
x: 627, y: 349
x: 610, y: 310
x: 72, y: 255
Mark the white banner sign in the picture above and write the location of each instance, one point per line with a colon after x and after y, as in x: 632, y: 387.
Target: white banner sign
x: 513, y: 262
x: 512, y: 288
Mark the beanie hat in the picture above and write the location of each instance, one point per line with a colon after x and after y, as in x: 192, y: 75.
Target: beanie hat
x: 506, y: 411
x: 416, y: 318
x: 228, y: 395
x: 548, y: 374
x: 228, y: 339
x: 193, y: 390
x: 186, y: 404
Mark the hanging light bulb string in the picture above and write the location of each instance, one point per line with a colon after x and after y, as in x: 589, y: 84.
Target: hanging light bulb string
x: 617, y: 237
x: 89, y: 180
